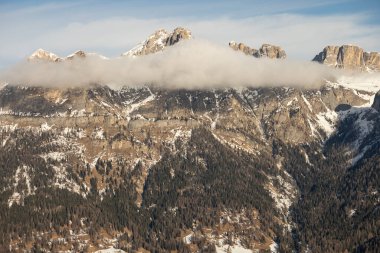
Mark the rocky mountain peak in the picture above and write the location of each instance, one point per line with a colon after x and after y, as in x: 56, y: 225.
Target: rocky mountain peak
x: 77, y: 54
x: 266, y: 50
x: 271, y: 51
x: 328, y: 56
x: 177, y: 35
x: 158, y: 41
x: 243, y: 48
x: 349, y: 57
x: 41, y: 54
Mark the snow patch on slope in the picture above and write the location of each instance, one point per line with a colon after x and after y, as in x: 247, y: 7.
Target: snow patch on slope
x: 45, y: 127
x: 274, y: 247
x: 63, y: 181
x: 314, y: 131
x: 307, y: 103
x: 180, y: 134
x: 54, y: 156
x: 364, y: 127
x: 295, y: 99
x: 327, y: 121
x: 188, y: 238
x: 233, y: 249
x: 284, y: 195
x: 22, y: 173
x: 98, y: 134
x: 134, y: 106
x: 110, y: 250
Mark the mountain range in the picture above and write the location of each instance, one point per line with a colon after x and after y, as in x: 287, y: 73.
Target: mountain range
x: 152, y: 169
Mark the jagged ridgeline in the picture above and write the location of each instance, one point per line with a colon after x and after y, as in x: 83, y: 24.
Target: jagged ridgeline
x: 149, y: 169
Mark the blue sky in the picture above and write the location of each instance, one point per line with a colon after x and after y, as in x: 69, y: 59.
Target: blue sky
x: 302, y: 28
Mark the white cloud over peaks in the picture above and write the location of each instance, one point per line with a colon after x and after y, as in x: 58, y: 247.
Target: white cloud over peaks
x: 302, y: 36
x: 189, y: 64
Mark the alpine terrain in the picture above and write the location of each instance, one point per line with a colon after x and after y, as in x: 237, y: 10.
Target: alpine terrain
x: 153, y: 169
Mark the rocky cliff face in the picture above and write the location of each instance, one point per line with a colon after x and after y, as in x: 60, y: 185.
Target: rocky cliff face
x: 266, y: 50
x: 271, y: 51
x: 177, y: 35
x: 158, y: 41
x: 376, y: 102
x: 372, y: 60
x: 349, y: 57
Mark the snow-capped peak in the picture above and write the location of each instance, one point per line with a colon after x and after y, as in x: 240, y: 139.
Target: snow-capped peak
x: 41, y: 54
x: 155, y: 42
x: 158, y: 41
x: 82, y: 54
x: 79, y: 53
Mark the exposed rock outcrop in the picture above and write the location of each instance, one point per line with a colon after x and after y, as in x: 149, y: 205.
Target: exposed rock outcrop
x: 376, y: 102
x: 271, y: 51
x: 158, y: 41
x: 372, y: 60
x: 177, y: 35
x: 349, y: 57
x: 242, y: 47
x: 77, y: 54
x: 266, y: 50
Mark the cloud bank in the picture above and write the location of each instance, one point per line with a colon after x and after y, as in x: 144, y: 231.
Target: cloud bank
x: 302, y: 36
x: 193, y: 64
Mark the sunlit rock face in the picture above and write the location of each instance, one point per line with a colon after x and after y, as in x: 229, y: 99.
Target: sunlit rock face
x: 349, y: 57
x: 266, y: 50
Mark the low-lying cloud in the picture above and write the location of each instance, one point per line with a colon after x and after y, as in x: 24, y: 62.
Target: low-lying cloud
x: 193, y: 64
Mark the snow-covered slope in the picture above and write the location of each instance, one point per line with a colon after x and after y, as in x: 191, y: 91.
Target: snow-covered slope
x: 153, y: 43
